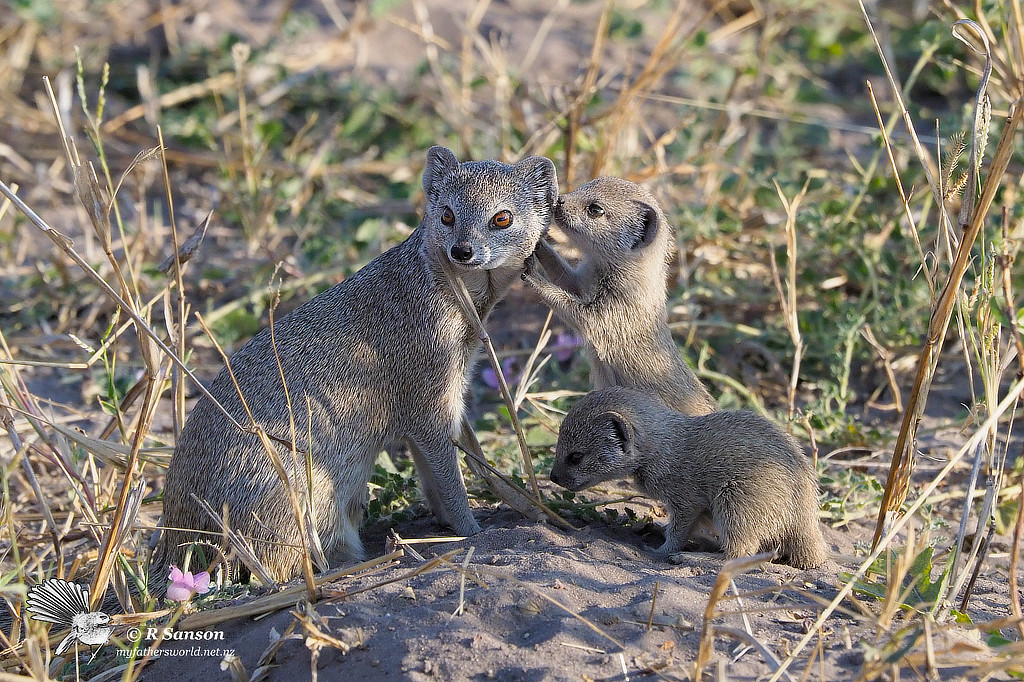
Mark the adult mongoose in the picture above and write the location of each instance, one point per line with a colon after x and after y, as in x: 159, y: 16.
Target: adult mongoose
x: 382, y: 358
x: 736, y: 468
x: 615, y: 297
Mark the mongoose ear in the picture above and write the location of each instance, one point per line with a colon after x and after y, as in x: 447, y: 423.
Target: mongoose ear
x: 539, y: 172
x: 620, y: 428
x: 648, y: 229
x: 440, y: 162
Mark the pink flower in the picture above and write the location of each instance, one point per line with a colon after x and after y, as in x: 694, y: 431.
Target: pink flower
x: 184, y: 585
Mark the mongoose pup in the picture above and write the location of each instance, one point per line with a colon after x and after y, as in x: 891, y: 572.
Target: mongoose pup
x: 615, y: 297
x: 738, y: 468
x: 383, y: 357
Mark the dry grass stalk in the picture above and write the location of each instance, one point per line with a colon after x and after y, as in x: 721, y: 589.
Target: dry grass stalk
x: 671, y: 45
x: 283, y: 599
x: 499, y: 484
x: 929, y: 273
x: 98, y: 207
x: 729, y: 570
x: 142, y: 326
x: 1006, y: 263
x: 466, y: 303
x: 482, y: 570
x: 898, y: 480
x: 926, y: 494
x: 275, y: 461
x: 175, y: 327
x: 787, y: 294
x: 586, y: 92
x: 886, y: 356
x: 426, y: 567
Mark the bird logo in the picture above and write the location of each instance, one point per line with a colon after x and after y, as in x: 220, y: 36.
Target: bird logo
x: 66, y: 604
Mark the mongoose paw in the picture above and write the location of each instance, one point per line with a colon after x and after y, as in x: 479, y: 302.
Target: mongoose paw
x: 677, y: 558
x: 467, y: 528
x: 529, y: 267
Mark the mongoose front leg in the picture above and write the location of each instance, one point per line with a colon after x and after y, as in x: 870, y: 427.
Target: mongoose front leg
x: 437, y: 464
x: 679, y: 529
x: 567, y: 304
x: 558, y: 272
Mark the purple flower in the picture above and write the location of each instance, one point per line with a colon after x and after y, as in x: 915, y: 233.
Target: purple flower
x: 508, y: 368
x: 566, y: 344
x: 184, y: 585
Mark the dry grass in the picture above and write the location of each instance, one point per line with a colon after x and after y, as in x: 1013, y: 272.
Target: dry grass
x: 80, y: 481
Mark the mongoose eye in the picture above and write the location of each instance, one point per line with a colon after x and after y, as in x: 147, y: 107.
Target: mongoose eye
x: 447, y: 216
x: 595, y: 210
x: 575, y: 458
x: 502, y: 219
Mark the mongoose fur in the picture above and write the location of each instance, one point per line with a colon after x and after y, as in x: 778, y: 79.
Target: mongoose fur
x: 738, y: 468
x: 383, y: 357
x: 616, y: 295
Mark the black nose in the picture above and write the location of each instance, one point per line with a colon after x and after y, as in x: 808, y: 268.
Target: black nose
x: 462, y: 252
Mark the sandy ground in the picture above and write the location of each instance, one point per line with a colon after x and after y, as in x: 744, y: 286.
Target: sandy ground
x: 543, y: 604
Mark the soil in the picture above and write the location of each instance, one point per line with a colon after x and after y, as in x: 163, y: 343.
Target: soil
x: 539, y: 603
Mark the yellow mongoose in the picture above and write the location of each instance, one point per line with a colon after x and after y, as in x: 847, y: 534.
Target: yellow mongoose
x: 382, y: 357
x: 616, y: 296
x: 738, y: 468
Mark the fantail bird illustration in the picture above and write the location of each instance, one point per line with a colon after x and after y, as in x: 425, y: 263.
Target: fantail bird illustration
x: 66, y: 604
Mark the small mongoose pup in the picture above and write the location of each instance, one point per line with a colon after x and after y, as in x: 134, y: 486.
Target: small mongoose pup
x: 738, y: 468
x: 615, y: 297
x: 382, y: 358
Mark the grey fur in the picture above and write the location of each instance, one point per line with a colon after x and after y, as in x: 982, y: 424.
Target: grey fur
x: 382, y: 357
x: 737, y: 468
x: 616, y: 296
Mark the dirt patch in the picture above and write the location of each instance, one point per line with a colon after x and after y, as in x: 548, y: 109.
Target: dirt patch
x: 603, y: 580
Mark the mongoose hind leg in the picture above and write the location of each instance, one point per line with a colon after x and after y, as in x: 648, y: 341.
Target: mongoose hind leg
x: 437, y: 464
x: 805, y: 548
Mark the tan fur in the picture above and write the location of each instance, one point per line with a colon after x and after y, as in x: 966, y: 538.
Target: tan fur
x: 752, y: 479
x: 382, y: 358
x: 616, y: 296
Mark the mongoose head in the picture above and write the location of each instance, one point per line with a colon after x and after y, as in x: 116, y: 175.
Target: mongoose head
x: 615, y: 220
x: 485, y: 214
x: 597, y: 441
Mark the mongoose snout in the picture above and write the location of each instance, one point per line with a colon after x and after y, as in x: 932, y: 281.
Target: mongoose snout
x: 737, y: 468
x: 462, y: 252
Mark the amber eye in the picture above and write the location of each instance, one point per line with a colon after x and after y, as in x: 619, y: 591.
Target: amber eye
x: 595, y: 211
x: 502, y: 219
x: 447, y: 217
